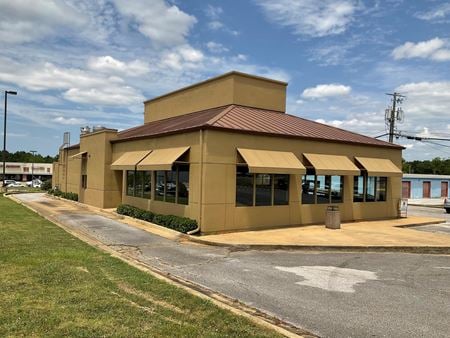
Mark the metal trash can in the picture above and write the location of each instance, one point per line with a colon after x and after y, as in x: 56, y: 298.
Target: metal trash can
x: 333, y: 217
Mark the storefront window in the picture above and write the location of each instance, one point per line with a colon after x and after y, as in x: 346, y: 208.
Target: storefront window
x: 381, y: 189
x: 171, y: 185
x: 263, y: 190
x: 337, y: 189
x: 138, y: 183
x: 130, y: 182
x: 159, y: 185
x: 244, y: 187
x: 370, y: 190
x: 280, y: 189
x: 308, y: 189
x: 147, y: 182
x: 183, y: 184
x: 323, y: 189
x: 358, y: 189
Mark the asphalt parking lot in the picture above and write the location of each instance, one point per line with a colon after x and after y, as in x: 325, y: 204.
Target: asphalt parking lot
x: 431, y: 212
x: 330, y: 294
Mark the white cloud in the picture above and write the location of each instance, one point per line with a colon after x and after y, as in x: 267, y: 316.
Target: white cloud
x: 215, y: 47
x: 436, y: 14
x: 107, y: 95
x: 434, y: 49
x: 69, y: 120
x: 213, y: 12
x: 182, y: 57
x: 109, y: 64
x: 162, y: 23
x: 215, y: 25
x: 326, y: 90
x: 26, y: 21
x: 311, y: 17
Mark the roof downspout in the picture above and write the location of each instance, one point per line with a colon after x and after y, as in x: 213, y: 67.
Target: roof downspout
x: 196, y: 230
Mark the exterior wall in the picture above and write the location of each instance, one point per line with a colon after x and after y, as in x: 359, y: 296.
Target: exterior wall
x: 22, y: 171
x: 103, y: 184
x: 232, y: 88
x: 55, y: 177
x: 417, y: 186
x: 219, y: 212
x: 192, y: 210
x: 69, y: 171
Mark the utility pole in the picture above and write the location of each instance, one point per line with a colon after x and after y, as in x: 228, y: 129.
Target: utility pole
x: 10, y: 92
x: 394, y: 113
x: 32, y: 167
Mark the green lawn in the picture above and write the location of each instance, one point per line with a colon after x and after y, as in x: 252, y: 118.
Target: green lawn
x: 52, y: 284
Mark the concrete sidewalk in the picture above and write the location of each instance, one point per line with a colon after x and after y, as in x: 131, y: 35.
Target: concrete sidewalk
x: 385, y: 234
x: 427, y: 202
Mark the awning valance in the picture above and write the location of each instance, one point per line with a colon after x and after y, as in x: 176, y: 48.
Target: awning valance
x: 80, y: 154
x: 161, y: 159
x: 332, y: 165
x: 379, y: 166
x: 272, y: 162
x: 129, y: 160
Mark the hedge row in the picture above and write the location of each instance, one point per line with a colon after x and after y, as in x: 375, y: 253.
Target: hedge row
x: 67, y: 195
x: 181, y: 224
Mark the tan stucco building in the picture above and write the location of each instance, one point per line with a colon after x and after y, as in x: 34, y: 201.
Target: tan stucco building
x: 225, y: 153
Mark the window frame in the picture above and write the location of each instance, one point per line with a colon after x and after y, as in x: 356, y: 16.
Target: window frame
x: 327, y: 179
x: 142, y: 174
x: 376, y: 186
x: 254, y: 187
x: 176, y: 169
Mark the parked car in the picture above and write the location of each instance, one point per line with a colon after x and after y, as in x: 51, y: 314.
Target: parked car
x: 15, y: 185
x: 7, y: 182
x: 35, y: 183
x: 447, y: 205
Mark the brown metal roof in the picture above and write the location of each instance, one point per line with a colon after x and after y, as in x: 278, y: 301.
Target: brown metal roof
x: 249, y: 120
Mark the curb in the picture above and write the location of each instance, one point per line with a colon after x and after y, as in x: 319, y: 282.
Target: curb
x: 217, y: 298
x: 436, y: 250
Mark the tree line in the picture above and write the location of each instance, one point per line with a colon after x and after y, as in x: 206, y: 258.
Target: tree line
x: 436, y: 166
x: 23, y: 156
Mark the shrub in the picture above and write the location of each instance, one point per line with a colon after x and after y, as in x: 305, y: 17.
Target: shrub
x: 67, y: 195
x: 46, y: 185
x: 181, y: 224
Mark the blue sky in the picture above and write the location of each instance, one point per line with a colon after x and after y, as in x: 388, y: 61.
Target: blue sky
x: 84, y: 62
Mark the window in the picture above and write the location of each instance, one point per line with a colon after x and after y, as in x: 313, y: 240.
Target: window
x: 244, y: 187
x: 147, y: 184
x: 261, y: 189
x: 183, y: 184
x: 139, y: 183
x: 280, y: 189
x: 308, y: 189
x: 263, y: 195
x: 358, y: 189
x: 173, y: 186
x: 130, y: 182
x: 337, y: 189
x: 369, y: 189
x: 160, y: 185
x: 84, y: 181
x: 381, y: 189
x: 322, y: 189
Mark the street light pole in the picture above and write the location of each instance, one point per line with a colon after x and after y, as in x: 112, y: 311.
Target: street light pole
x: 32, y: 167
x: 10, y: 92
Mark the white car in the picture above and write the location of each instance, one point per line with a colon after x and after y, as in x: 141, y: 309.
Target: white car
x: 35, y: 183
x: 15, y: 185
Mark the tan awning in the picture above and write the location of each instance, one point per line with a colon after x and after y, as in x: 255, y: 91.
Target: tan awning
x: 129, y: 160
x: 161, y: 159
x: 379, y: 166
x: 272, y: 162
x: 332, y: 165
x: 78, y: 154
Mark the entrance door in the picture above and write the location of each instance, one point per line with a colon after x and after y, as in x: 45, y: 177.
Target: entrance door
x: 444, y: 189
x: 406, y: 189
x: 426, y: 189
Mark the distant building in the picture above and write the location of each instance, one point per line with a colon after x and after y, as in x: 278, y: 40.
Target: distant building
x: 425, y: 186
x: 21, y: 171
x: 225, y: 153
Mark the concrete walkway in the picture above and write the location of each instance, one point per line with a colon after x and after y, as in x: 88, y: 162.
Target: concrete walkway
x: 427, y: 202
x: 386, y: 233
